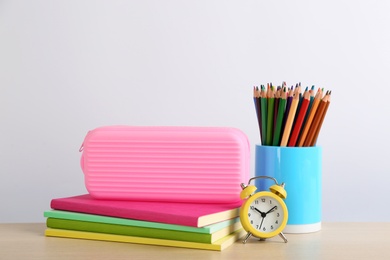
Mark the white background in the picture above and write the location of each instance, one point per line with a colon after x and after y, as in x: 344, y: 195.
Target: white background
x: 69, y: 66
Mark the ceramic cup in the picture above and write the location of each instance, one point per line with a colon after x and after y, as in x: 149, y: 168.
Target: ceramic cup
x: 300, y: 168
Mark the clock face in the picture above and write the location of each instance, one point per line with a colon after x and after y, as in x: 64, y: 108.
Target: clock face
x: 266, y: 215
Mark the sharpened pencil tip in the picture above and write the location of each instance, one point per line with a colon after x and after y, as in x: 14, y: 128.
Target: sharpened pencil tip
x: 267, y: 96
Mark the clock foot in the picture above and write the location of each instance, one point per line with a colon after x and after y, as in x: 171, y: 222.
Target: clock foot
x: 246, y: 237
x: 283, y: 237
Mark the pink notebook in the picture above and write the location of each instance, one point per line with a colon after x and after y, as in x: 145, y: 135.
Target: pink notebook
x: 185, y: 214
x: 181, y: 164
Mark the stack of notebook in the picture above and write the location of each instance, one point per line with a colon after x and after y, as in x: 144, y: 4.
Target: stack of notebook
x: 199, y: 226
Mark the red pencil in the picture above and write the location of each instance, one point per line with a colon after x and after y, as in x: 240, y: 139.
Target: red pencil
x: 298, y: 123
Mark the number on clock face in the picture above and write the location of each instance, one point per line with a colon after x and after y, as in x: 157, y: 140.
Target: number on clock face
x: 265, y: 214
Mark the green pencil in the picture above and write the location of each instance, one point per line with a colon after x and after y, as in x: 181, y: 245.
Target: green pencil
x: 270, y: 116
x: 279, y: 119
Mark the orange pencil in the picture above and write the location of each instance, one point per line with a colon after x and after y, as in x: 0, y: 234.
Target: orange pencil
x: 321, y: 121
x: 290, y: 118
x: 313, y: 110
x: 317, y: 118
x: 298, y: 122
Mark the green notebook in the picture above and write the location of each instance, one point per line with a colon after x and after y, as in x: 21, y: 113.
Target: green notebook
x: 137, y: 231
x: 138, y: 223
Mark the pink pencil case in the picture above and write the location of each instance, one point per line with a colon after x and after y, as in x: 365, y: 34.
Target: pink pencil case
x: 166, y: 163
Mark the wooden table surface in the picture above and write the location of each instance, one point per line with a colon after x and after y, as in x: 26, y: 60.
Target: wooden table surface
x: 334, y: 241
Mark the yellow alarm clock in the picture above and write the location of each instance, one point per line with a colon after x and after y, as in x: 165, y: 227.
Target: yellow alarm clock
x: 264, y: 214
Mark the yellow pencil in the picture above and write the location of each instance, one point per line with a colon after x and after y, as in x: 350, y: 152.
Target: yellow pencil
x: 290, y: 118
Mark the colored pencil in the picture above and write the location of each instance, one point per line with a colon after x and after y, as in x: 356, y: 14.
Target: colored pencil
x: 290, y: 96
x: 313, y: 127
x: 276, y: 104
x: 299, y: 119
x: 263, y: 106
x: 310, y: 118
x: 290, y: 118
x: 312, y: 94
x: 321, y: 121
x: 299, y: 103
x: 286, y: 117
x: 279, y: 119
x: 270, y: 116
x: 256, y: 100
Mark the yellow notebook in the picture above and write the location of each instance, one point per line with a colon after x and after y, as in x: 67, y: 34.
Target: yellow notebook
x: 219, y: 245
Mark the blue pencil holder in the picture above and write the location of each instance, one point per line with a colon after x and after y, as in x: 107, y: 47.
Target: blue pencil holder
x: 300, y: 168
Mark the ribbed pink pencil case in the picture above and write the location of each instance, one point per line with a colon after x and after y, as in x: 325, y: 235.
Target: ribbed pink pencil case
x: 167, y: 163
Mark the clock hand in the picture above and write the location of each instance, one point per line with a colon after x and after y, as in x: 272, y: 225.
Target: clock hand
x: 262, y: 219
x: 259, y: 211
x: 269, y: 211
x: 262, y: 213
